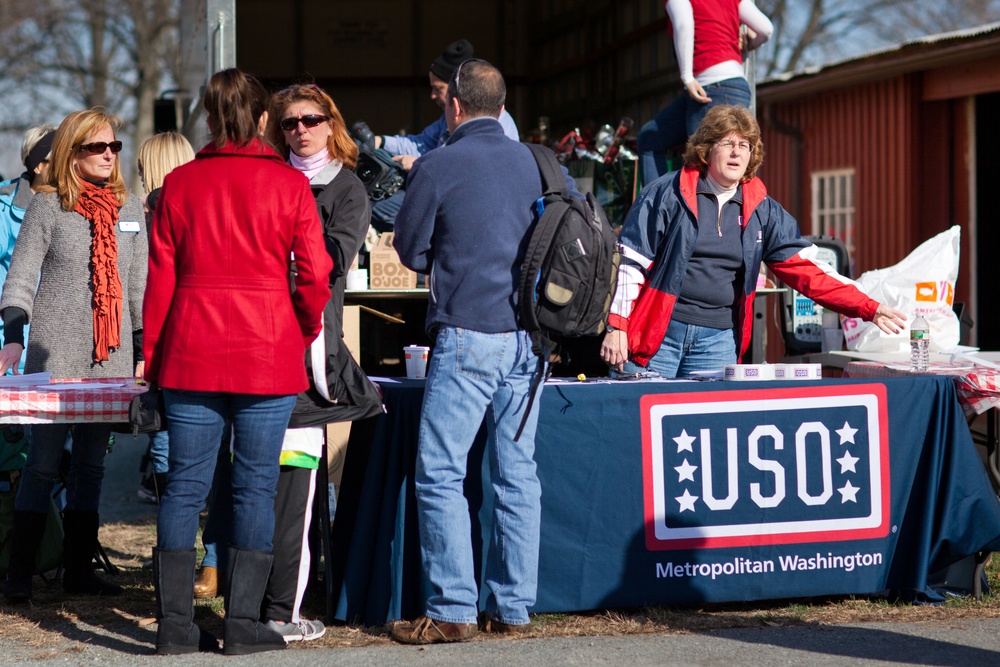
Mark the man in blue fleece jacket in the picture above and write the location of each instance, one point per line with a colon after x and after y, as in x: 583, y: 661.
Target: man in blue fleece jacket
x: 466, y: 221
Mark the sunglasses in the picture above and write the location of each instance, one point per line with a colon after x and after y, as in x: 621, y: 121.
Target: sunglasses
x: 101, y: 146
x: 312, y: 120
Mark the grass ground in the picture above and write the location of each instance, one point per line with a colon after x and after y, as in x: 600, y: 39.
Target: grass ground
x: 52, y: 617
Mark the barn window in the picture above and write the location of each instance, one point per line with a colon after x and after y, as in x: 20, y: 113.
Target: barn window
x: 833, y: 205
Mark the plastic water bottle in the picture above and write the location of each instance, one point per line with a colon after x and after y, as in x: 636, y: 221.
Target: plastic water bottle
x: 920, y: 343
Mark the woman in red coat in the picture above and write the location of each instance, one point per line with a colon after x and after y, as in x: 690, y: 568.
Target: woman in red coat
x: 225, y: 337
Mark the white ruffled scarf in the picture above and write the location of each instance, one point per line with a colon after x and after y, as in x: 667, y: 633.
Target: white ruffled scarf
x: 312, y: 165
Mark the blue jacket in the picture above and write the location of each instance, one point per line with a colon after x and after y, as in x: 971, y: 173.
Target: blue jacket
x: 15, y: 195
x: 436, y: 134
x: 465, y: 220
x: 659, y: 235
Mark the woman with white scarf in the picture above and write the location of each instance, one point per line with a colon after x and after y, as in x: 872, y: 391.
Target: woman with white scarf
x: 306, y: 127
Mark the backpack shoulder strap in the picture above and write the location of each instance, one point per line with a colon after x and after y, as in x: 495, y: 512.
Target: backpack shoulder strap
x: 552, y: 177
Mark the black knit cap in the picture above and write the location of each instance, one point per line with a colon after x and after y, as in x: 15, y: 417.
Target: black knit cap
x: 39, y: 151
x: 446, y: 63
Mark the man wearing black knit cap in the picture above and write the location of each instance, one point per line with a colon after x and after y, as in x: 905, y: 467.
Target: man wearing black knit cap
x: 16, y: 194
x: 405, y: 149
x: 408, y: 148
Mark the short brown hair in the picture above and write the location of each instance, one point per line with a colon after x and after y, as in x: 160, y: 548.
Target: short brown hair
x: 234, y: 102
x: 341, y: 146
x: 71, y: 133
x: 479, y: 88
x: 719, y: 123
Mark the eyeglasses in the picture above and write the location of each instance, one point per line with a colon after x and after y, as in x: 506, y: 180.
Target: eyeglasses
x: 312, y: 120
x: 729, y: 144
x: 101, y: 146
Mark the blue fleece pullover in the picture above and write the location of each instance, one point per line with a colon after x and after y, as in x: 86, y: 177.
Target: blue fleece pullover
x: 465, y: 221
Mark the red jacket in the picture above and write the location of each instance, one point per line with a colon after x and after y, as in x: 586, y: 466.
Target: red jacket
x: 219, y: 314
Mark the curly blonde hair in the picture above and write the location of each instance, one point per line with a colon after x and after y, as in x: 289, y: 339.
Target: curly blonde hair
x: 719, y: 123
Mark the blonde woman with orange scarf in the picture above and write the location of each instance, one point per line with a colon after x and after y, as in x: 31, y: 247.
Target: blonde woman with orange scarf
x: 78, y: 274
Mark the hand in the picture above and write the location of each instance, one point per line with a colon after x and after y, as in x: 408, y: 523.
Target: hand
x: 140, y: 369
x: 747, y: 37
x: 405, y: 161
x: 377, y: 141
x: 614, y: 349
x: 696, y: 92
x: 10, y: 357
x: 889, y: 319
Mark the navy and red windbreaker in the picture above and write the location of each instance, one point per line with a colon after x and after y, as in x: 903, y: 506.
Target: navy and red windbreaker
x: 658, y: 238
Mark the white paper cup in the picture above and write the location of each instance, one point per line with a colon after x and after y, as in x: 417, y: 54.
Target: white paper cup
x: 833, y: 340
x: 416, y: 361
x: 357, y: 279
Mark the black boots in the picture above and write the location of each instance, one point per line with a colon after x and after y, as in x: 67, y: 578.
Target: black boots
x: 247, y: 579
x: 79, y: 547
x: 173, y: 579
x: 29, y: 528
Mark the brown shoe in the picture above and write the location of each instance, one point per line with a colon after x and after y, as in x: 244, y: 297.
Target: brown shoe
x: 428, y: 631
x: 207, y: 585
x: 487, y: 624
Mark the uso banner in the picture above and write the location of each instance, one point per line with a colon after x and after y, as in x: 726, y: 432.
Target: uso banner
x: 698, y: 492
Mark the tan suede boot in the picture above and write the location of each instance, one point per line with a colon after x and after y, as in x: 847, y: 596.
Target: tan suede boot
x: 207, y: 585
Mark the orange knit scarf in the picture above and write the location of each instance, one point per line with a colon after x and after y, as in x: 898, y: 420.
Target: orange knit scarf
x: 100, y: 206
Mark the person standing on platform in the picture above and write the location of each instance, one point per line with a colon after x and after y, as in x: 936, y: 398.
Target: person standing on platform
x: 692, y: 245
x: 465, y: 222
x: 707, y: 43
x: 78, y: 275
x: 225, y: 339
x: 16, y: 194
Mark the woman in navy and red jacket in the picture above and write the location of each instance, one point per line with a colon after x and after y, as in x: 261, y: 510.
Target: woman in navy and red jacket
x: 225, y: 336
x: 692, y: 246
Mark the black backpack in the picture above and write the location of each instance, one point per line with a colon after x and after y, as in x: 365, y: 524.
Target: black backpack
x: 570, y: 270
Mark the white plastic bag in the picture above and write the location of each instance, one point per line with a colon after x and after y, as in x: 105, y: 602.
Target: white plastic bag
x: 924, y: 282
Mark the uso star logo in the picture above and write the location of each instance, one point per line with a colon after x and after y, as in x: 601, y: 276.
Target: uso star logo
x: 773, y: 466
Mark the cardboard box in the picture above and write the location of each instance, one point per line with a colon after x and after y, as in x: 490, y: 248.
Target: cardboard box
x: 386, y: 271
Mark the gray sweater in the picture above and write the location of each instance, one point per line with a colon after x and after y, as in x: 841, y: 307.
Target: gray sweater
x: 49, y: 279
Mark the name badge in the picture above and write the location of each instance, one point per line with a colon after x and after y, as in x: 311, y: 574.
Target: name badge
x: 128, y: 225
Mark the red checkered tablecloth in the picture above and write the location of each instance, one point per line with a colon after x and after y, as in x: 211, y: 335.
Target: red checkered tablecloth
x: 978, y: 387
x: 38, y: 405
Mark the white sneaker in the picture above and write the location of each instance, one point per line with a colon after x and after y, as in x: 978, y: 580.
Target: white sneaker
x: 304, y: 630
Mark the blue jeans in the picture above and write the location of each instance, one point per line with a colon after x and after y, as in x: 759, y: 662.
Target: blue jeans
x: 41, y: 470
x: 474, y: 375
x: 687, y: 348
x: 678, y: 120
x: 215, y: 537
x: 159, y: 446
x: 196, y: 421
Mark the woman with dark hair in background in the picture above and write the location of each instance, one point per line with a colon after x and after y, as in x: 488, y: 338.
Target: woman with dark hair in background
x: 78, y: 274
x: 226, y: 338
